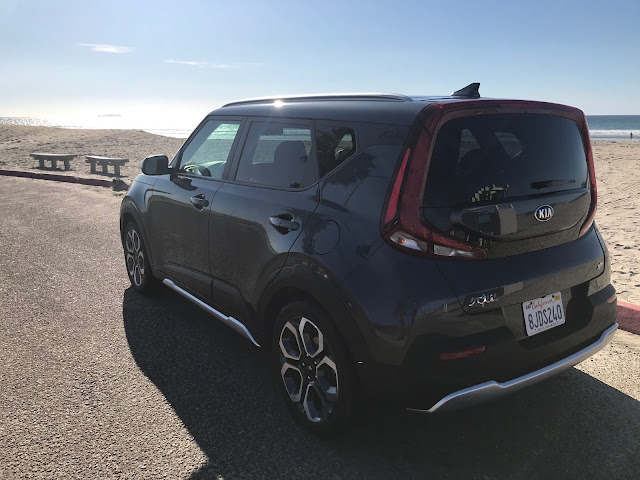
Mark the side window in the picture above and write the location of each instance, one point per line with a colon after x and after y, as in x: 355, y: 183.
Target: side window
x: 277, y: 154
x: 208, y: 152
x: 334, y: 144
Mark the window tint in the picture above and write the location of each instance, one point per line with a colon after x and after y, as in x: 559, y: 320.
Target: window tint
x: 208, y: 152
x: 334, y: 145
x: 277, y: 154
x: 490, y: 157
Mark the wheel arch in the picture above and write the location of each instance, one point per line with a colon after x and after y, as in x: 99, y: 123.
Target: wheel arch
x: 124, y: 219
x: 302, y: 282
x: 129, y: 212
x: 279, y: 300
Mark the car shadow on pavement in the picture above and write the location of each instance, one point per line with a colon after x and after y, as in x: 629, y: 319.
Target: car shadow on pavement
x: 220, y: 386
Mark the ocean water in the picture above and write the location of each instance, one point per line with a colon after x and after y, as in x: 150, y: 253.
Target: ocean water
x: 106, y: 122
x: 614, y: 127
x: 601, y: 127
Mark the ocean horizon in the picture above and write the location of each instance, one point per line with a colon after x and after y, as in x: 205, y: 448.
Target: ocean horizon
x: 601, y: 127
x: 103, y: 122
x: 614, y: 127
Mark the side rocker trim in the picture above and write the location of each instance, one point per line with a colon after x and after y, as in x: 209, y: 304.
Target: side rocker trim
x: 229, y: 321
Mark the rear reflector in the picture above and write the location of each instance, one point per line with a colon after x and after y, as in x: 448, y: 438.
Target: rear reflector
x: 470, y: 352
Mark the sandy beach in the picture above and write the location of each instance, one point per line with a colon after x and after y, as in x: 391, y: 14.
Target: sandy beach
x: 616, y: 164
x: 17, y: 142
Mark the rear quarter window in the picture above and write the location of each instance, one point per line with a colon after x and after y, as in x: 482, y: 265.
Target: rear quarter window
x: 335, y: 144
x: 491, y: 157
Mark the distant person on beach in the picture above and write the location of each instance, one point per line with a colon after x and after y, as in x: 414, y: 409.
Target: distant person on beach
x: 631, y: 135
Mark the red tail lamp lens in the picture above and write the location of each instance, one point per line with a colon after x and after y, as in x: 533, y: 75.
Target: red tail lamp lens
x: 392, y: 207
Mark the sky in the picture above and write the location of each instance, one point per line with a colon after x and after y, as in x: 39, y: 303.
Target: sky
x: 170, y: 63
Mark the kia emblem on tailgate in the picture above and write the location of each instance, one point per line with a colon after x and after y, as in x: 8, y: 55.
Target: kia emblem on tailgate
x: 544, y: 213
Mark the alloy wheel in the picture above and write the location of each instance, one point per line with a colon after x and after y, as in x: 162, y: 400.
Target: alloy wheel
x: 135, y: 257
x: 308, y: 372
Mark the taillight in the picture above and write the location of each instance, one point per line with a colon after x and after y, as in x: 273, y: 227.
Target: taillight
x: 394, y: 199
x: 403, y: 224
x: 592, y: 178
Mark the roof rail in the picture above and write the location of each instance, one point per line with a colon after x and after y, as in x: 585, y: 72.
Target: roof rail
x: 389, y: 97
x: 471, y: 91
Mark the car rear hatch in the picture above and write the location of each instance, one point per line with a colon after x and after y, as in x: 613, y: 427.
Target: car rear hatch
x: 484, y: 187
x: 508, y: 182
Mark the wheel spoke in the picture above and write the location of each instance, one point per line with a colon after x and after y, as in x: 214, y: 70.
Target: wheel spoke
x: 129, y: 242
x: 141, y: 262
x: 290, y: 343
x: 327, y: 375
x: 136, y: 241
x: 312, y: 338
x: 315, y: 406
x: 136, y: 276
x: 131, y: 264
x: 293, y: 381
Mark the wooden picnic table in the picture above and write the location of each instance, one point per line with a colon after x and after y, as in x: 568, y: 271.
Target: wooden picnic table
x: 53, y: 158
x: 104, y: 162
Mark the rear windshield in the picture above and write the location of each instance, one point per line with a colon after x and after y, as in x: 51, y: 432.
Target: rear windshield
x: 487, y: 158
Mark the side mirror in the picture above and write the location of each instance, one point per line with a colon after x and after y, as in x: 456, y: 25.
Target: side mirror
x: 155, y: 165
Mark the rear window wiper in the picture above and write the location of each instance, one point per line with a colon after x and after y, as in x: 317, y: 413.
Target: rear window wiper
x: 550, y: 183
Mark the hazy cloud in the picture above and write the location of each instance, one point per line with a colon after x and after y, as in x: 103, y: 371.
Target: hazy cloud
x: 187, y: 62
x: 103, y: 47
x: 221, y: 66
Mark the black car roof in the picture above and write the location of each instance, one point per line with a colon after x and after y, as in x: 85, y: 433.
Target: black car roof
x: 385, y: 108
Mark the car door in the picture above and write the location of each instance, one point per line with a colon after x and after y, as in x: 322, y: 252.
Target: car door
x: 261, y: 210
x: 180, y: 203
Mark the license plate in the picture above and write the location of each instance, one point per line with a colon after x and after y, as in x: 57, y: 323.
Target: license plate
x: 543, y: 313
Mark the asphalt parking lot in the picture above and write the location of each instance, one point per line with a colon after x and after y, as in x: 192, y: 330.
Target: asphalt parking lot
x: 97, y: 381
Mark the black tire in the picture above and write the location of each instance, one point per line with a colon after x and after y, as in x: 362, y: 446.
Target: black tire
x: 324, y: 400
x: 137, y: 260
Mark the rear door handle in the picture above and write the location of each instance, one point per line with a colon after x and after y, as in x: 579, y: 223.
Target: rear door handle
x: 199, y: 201
x: 284, y: 223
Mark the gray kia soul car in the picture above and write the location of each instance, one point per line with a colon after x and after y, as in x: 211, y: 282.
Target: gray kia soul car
x: 431, y: 252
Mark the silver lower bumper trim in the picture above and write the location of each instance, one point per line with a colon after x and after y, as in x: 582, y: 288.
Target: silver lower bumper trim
x: 229, y: 321
x: 492, y: 389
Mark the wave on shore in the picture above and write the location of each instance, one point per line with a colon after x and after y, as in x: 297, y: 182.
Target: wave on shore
x: 614, y: 135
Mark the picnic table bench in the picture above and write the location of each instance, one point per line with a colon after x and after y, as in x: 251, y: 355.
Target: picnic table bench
x: 105, y: 162
x: 54, y: 158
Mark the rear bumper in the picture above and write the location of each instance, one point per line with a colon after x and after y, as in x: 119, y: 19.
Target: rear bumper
x: 492, y: 389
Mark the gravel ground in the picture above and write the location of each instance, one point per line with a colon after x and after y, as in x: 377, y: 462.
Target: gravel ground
x: 100, y: 382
